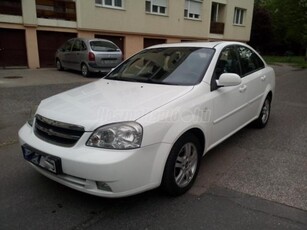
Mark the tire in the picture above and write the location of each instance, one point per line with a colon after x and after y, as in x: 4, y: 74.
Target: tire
x: 264, y: 115
x: 84, y: 70
x: 59, y: 65
x: 182, y: 165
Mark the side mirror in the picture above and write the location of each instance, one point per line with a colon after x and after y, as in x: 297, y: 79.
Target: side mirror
x: 229, y: 79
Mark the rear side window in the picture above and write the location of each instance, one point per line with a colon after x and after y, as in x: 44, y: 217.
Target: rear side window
x: 103, y: 46
x: 249, y: 60
x: 79, y: 46
x: 67, y: 46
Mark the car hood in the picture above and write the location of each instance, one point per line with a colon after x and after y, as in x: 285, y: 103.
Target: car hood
x: 106, y: 101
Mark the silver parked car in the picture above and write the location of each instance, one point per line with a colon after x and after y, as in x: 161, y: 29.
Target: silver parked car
x: 88, y: 55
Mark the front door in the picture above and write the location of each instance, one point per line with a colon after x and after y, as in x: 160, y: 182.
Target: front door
x: 229, y: 103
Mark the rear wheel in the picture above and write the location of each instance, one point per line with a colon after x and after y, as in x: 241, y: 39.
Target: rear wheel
x: 182, y: 165
x: 84, y: 70
x: 59, y: 65
x: 264, y: 116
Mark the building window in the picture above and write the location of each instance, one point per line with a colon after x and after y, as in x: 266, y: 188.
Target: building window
x: 192, y: 9
x: 56, y: 9
x: 238, y: 18
x: 110, y: 3
x: 217, y: 18
x: 156, y: 6
x: 10, y: 7
x: 216, y: 12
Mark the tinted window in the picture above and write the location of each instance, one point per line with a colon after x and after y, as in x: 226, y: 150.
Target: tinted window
x: 77, y: 45
x: 228, y: 62
x: 103, y: 46
x: 175, y: 65
x: 67, y: 45
x: 250, y: 62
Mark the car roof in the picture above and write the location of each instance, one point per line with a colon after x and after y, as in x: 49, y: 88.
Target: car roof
x: 94, y: 39
x: 197, y: 44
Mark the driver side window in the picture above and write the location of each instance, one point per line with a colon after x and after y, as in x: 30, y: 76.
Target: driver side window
x: 228, y: 62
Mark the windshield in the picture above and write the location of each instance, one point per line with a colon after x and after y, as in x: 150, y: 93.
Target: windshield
x: 103, y: 46
x: 172, y: 65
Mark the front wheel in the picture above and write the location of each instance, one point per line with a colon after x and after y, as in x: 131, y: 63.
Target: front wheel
x: 182, y: 165
x: 264, y: 116
x: 84, y: 70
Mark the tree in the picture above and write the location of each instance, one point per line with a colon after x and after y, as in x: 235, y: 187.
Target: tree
x: 288, y: 24
x: 262, y: 30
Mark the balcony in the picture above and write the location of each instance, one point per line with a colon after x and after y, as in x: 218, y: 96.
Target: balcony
x: 56, y: 9
x: 217, y: 27
x: 11, y: 7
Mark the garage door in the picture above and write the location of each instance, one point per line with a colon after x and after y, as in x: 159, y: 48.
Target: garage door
x: 48, y: 43
x: 13, y: 50
x: 153, y: 41
x: 118, y: 40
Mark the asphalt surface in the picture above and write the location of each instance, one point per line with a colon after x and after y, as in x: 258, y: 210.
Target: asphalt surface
x: 257, y: 179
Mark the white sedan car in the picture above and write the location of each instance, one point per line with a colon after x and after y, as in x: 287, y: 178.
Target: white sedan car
x: 150, y: 120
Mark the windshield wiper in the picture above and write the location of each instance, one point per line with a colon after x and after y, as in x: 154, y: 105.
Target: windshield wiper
x: 122, y: 79
x: 152, y: 81
x: 141, y: 80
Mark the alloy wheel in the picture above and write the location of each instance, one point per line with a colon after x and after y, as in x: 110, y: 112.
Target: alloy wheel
x: 186, y: 165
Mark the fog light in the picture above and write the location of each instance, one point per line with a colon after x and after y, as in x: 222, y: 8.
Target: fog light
x: 103, y: 186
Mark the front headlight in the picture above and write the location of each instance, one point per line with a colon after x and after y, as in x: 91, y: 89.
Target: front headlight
x: 124, y: 135
x: 32, y: 114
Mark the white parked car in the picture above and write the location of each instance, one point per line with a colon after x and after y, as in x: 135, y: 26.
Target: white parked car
x: 150, y: 120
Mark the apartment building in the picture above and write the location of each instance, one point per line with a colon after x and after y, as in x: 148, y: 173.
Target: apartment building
x: 32, y: 30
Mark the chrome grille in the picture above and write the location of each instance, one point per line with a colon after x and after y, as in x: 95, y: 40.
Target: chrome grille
x: 56, y: 132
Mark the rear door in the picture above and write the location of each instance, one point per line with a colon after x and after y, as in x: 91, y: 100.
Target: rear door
x: 78, y: 53
x: 66, y: 54
x: 252, y: 76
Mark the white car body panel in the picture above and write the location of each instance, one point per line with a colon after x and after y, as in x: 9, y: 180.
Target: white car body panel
x: 91, y: 107
x: 165, y: 112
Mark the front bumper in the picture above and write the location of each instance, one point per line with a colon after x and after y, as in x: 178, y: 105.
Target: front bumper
x: 87, y: 169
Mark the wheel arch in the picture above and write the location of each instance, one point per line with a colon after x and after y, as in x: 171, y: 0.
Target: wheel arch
x: 197, y: 133
x: 270, y: 95
x: 267, y: 94
x: 167, y: 183
x: 83, y: 63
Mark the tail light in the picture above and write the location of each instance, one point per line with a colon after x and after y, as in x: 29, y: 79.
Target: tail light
x: 91, y: 56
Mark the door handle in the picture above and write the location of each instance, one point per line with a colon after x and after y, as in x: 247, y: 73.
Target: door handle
x: 263, y: 78
x: 242, y: 88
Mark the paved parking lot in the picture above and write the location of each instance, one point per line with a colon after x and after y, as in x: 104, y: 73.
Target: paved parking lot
x: 257, y: 179
x: 269, y: 163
